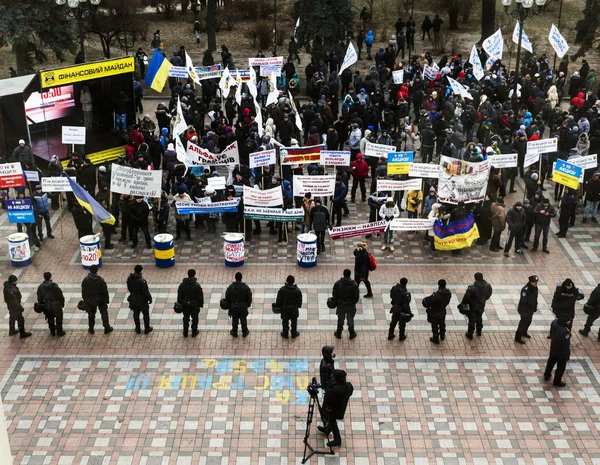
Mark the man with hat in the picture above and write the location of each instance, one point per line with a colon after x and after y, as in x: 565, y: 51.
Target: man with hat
x: 50, y: 295
x: 563, y: 301
x: 139, y: 299
x: 94, y: 293
x: 289, y: 300
x: 239, y: 298
x: 319, y: 222
x: 191, y: 296
x: 12, y: 298
x: 544, y: 212
x: 516, y: 219
x: 23, y: 154
x: 139, y: 211
x: 339, y: 199
x: 527, y: 307
x: 476, y: 296
x: 560, y: 349
x: 42, y: 211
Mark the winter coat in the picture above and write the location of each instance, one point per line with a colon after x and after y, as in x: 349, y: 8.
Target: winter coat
x: 369, y: 39
x: 289, y: 300
x: 339, y: 194
x: 307, y: 205
x: 592, y: 188
x: 560, y: 344
x: 94, y: 290
x: 517, y: 220
x: 239, y: 297
x: 49, y: 294
x: 563, y: 301
x: 170, y: 160
x: 336, y: 398
x: 528, y: 300
x: 583, y: 145
x: 436, y: 304
x: 389, y: 213
x: 326, y: 368
x: 354, y: 139
x: 413, y: 200
x: 319, y: 218
x: 12, y: 298
x: 361, y: 264
x: 477, y: 295
x: 190, y: 294
x: 185, y: 198
x: 139, y: 295
x: 139, y: 212
x: 360, y: 168
x: 24, y: 155
x: 544, y: 220
x: 401, y: 299
x: 498, y: 217
x: 345, y: 292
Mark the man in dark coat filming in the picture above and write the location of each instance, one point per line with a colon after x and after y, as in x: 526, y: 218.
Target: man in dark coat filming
x: 191, y: 296
x: 94, y: 293
x: 289, y: 300
x: 335, y: 404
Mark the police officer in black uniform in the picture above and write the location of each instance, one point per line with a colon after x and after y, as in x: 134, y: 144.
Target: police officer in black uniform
x: 335, y: 404
x: 12, y: 297
x: 289, y: 300
x: 476, y: 296
x: 400, y: 309
x: 435, y: 306
x: 94, y: 293
x: 191, y: 296
x: 560, y: 349
x: 51, y: 296
x: 139, y: 299
x: 527, y: 307
x: 345, y: 292
x: 239, y: 298
x: 592, y: 309
x: 563, y: 301
x: 326, y: 370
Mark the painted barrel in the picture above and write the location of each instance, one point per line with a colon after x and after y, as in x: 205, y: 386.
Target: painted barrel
x: 233, y: 248
x: 91, y: 253
x: 164, y: 250
x: 306, y: 251
x: 18, y: 249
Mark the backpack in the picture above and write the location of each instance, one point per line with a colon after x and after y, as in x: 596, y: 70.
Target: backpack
x: 372, y: 262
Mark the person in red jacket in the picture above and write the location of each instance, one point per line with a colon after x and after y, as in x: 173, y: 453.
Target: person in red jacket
x: 360, y: 171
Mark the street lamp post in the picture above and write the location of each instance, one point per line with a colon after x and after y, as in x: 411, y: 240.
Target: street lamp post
x: 79, y: 10
x: 522, y: 11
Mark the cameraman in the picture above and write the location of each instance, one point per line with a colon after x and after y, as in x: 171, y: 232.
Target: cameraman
x: 335, y: 404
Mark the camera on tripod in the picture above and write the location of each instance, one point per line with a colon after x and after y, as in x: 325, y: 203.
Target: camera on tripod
x: 313, y: 387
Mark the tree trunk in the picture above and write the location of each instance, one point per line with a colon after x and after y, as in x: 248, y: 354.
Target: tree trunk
x: 211, y: 21
x: 21, y: 55
x: 488, y: 19
x: 453, y: 18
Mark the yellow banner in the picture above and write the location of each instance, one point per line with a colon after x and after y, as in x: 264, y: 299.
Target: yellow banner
x: 458, y: 241
x: 86, y: 72
x: 164, y: 254
x: 97, y: 158
x: 565, y: 180
x: 397, y: 168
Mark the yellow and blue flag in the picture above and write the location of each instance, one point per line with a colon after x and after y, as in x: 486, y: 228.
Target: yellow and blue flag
x: 455, y: 235
x: 158, y: 71
x: 90, y: 204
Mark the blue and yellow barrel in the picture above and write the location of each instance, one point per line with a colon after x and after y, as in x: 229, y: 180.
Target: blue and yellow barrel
x: 91, y: 251
x: 164, y: 250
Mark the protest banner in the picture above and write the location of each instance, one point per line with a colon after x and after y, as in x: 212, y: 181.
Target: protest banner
x: 475, y: 60
x: 182, y: 72
x: 410, y: 224
x: 355, y: 230
x: 431, y: 72
x: 398, y: 162
x: 567, y: 174
x: 508, y: 160
x: 56, y: 184
x: 266, y: 61
x: 334, y: 158
x: 217, y: 182
x: 530, y: 159
x: 267, y: 198
x: 11, y: 175
x: 494, y: 45
x: 390, y: 185
x: 525, y: 42
x: 349, y: 59
x: 542, y: 146
x: 378, y: 150
x: 462, y: 181
x: 132, y: 181
x: 299, y: 155
x: 264, y: 158
x: 32, y: 176
x: 19, y: 211
x: 266, y: 70
x: 558, y: 42
x: 193, y: 208
x: 459, y: 89
x: 398, y: 76
x: 317, y: 185
x: 455, y: 235
x: 198, y: 156
x: 424, y: 170
x: 73, y: 135
x: 588, y: 162
x: 293, y: 215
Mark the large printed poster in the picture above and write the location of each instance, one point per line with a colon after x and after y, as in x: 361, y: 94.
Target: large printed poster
x: 462, y: 181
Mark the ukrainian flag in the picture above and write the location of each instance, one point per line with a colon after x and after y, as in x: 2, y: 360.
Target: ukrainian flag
x: 455, y: 235
x: 158, y: 71
x: 90, y: 204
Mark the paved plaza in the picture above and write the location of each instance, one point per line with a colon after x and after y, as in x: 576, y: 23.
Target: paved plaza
x: 161, y: 399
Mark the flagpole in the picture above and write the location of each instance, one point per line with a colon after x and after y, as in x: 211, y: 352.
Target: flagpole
x: 60, y: 213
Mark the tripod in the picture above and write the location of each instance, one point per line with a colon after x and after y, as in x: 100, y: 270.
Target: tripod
x: 314, y: 400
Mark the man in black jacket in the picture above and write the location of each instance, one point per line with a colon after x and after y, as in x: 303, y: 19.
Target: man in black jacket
x: 239, y: 297
x: 527, y: 307
x: 592, y: 309
x: 436, y: 305
x: 12, y: 298
x: 140, y: 210
x: 139, y: 299
x: 476, y: 296
x: 345, y: 292
x: 51, y: 296
x: 191, y: 296
x: 289, y: 300
x: 563, y: 301
x: 319, y: 222
x: 544, y: 212
x: 516, y: 218
x: 400, y: 309
x: 427, y: 143
x: 125, y: 203
x: 94, y: 293
x: 560, y: 349
x: 335, y: 403
x: 327, y: 368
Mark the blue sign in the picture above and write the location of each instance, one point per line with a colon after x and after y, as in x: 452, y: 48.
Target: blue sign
x: 401, y: 157
x: 20, y: 211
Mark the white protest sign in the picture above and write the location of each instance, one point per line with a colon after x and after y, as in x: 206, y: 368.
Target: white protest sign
x: 587, y: 162
x: 316, y: 185
x: 126, y: 180
x: 267, y: 61
x: 266, y: 70
x: 525, y: 42
x: 410, y: 224
x: 198, y: 156
x: 530, y: 159
x: 56, y: 184
x: 73, y: 135
x: 349, y: 59
x: 430, y: 72
x: 398, y: 76
x: 217, y: 182
x: 334, y: 158
x: 459, y: 89
x: 476, y: 62
x: 423, y: 170
x: 462, y: 181
x: 264, y: 158
x: 267, y: 198
x: 31, y: 176
x: 378, y: 150
x: 542, y: 146
x: 508, y: 160
x: 558, y: 42
x: 390, y: 185
x: 493, y: 45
